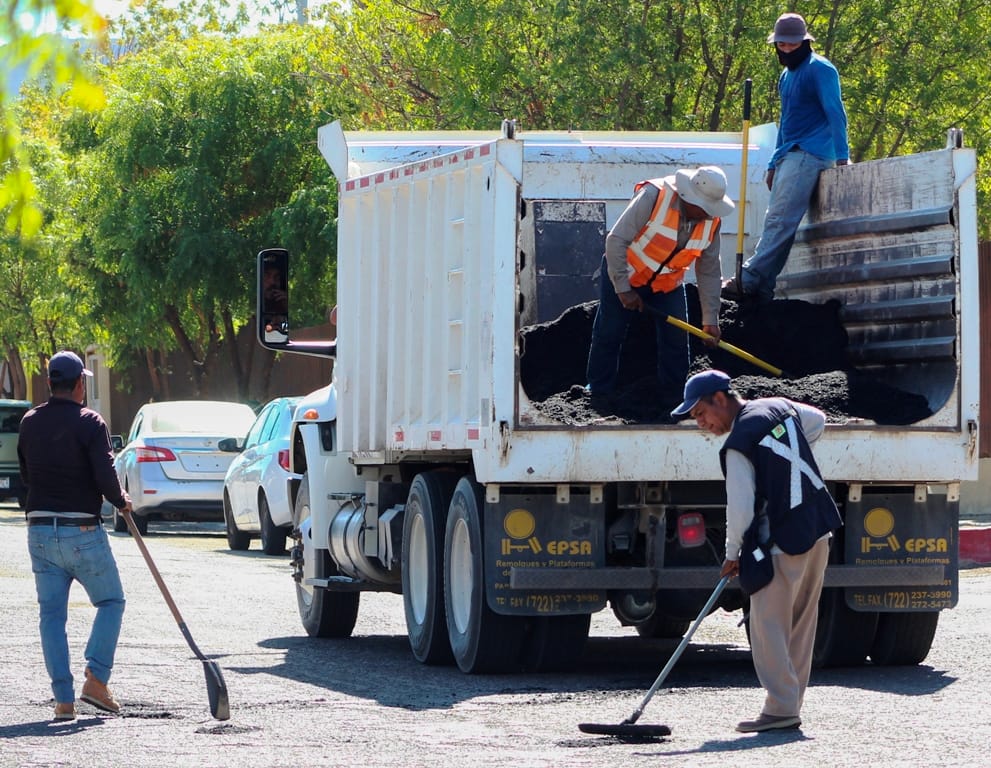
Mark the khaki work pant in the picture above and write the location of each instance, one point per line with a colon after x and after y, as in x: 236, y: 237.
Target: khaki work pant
x: 783, y: 619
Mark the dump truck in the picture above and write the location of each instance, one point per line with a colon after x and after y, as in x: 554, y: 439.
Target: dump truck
x: 429, y: 471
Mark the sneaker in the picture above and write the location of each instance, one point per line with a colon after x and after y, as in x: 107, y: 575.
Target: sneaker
x: 97, y: 694
x: 65, y: 710
x: 768, y: 723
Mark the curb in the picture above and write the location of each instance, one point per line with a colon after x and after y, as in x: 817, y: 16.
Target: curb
x: 975, y: 545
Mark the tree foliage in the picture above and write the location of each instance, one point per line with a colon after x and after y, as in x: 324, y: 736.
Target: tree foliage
x: 205, y: 148
x: 150, y: 209
x: 30, y: 48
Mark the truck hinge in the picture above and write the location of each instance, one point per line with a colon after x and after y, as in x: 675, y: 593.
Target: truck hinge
x: 503, y: 440
x: 972, y: 433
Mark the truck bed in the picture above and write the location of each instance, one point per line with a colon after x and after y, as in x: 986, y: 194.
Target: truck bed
x: 893, y: 242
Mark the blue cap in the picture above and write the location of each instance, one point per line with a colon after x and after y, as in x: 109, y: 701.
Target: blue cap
x: 66, y: 366
x: 698, y: 386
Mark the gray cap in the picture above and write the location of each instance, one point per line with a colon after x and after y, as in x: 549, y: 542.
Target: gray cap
x: 789, y: 28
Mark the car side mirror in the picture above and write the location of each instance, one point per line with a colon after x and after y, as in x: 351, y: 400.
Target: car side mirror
x: 229, y: 445
x: 116, y: 443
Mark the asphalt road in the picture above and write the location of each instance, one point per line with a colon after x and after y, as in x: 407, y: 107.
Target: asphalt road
x: 365, y: 701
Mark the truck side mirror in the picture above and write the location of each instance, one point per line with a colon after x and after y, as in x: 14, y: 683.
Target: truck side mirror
x: 116, y: 443
x: 273, y: 296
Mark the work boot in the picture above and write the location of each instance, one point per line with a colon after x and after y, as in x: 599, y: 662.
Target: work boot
x: 769, y: 723
x: 96, y: 693
x: 65, y: 710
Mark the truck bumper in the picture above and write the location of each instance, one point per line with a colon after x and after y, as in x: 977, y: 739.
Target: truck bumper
x: 653, y: 579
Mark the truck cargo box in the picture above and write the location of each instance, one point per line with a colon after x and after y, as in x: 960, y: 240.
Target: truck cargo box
x: 446, y: 262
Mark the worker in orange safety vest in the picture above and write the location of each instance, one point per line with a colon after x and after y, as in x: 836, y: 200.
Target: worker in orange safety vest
x: 670, y: 224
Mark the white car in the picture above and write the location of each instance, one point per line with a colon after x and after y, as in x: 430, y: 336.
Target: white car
x: 256, y: 489
x: 171, y: 464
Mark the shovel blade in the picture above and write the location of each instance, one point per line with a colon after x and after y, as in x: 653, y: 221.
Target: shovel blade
x: 216, y: 689
x: 626, y: 730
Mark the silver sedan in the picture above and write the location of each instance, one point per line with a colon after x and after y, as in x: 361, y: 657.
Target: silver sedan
x: 171, y: 464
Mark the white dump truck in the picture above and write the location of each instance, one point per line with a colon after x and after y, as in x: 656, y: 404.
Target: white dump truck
x: 428, y: 471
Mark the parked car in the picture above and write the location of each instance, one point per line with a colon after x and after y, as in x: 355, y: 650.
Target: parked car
x: 256, y: 489
x: 11, y: 485
x: 171, y: 463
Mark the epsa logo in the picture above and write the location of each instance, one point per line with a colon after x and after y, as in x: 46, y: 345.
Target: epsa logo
x: 879, y: 524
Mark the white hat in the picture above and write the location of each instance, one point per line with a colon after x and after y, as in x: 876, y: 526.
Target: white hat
x: 706, y: 188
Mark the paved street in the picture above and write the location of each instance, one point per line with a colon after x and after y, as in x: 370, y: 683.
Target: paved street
x: 365, y: 701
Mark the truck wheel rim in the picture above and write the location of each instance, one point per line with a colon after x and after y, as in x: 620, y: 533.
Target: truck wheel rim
x: 461, y: 576
x: 417, y: 569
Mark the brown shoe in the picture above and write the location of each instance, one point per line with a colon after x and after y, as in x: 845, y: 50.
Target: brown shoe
x: 65, y: 711
x: 769, y: 723
x: 97, y: 694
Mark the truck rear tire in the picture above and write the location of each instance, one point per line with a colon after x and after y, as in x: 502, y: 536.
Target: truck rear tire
x: 481, y: 639
x: 322, y: 612
x: 904, y: 638
x: 556, y: 643
x: 662, y: 625
x: 424, y: 523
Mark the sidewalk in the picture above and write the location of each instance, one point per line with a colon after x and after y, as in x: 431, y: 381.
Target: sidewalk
x: 975, y: 542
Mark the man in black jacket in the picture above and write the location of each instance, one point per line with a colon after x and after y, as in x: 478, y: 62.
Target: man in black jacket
x: 67, y: 465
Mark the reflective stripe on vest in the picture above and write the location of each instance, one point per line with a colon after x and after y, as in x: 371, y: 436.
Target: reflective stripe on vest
x: 658, y: 239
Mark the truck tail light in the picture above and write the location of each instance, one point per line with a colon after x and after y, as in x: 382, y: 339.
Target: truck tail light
x: 284, y: 459
x: 151, y: 453
x: 691, y: 530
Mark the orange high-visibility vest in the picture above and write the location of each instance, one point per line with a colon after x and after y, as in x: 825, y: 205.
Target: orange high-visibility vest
x: 651, y: 251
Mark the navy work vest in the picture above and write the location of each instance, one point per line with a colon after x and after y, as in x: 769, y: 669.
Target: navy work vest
x: 790, y: 489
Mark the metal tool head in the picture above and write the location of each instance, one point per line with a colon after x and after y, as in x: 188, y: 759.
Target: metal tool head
x: 626, y: 731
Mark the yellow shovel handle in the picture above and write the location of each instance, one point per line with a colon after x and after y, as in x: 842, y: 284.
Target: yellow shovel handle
x: 723, y: 345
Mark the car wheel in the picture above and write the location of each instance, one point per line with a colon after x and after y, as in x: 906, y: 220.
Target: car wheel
x: 237, y: 540
x: 273, y: 537
x: 140, y: 522
x: 120, y: 524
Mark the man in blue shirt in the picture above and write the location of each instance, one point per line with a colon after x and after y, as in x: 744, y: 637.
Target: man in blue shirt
x: 812, y: 136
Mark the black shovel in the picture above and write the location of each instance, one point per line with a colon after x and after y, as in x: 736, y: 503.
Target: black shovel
x: 629, y: 728
x: 215, y: 686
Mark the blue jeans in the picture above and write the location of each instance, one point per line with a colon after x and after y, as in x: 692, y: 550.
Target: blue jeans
x: 59, y: 555
x: 795, y: 180
x: 612, y: 320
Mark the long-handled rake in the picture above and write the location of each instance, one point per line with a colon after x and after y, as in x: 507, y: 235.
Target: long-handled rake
x: 630, y: 728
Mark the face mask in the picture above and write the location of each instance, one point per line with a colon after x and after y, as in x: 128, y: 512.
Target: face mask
x: 795, y: 58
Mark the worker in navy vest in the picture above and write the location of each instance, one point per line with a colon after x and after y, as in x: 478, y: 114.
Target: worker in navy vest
x: 670, y: 225
x: 769, y: 469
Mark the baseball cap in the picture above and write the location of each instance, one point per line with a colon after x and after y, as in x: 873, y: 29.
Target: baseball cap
x: 66, y: 366
x: 698, y: 386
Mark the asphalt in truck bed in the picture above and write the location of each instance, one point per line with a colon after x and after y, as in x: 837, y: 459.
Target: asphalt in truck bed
x: 806, y: 341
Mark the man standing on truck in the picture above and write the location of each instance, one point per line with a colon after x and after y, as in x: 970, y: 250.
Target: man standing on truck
x: 812, y: 136
x: 670, y: 224
x: 772, y: 483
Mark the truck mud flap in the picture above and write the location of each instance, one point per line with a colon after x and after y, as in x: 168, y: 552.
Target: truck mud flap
x: 902, y: 529
x: 548, y: 531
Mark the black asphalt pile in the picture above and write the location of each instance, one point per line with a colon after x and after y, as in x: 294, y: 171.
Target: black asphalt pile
x: 806, y: 341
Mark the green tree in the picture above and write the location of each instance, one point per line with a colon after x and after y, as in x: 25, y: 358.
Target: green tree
x: 27, y: 47
x: 206, y: 149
